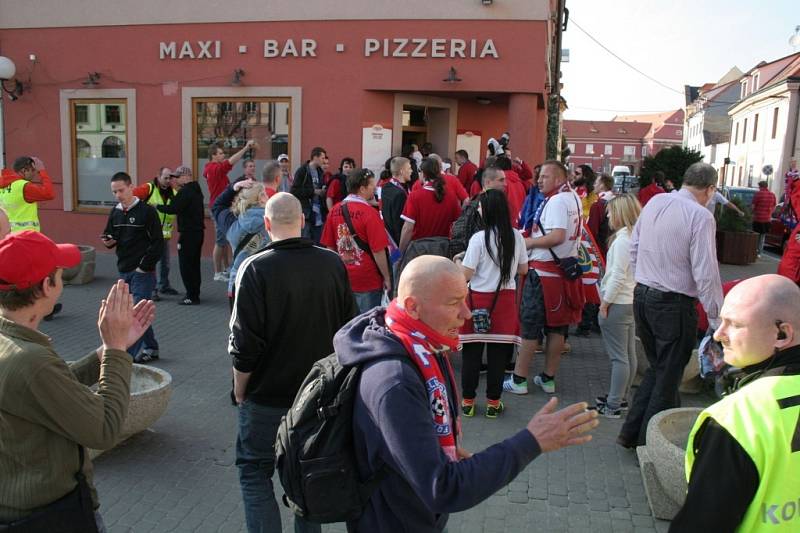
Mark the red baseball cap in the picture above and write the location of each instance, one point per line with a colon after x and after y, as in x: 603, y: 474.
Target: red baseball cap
x: 26, y: 258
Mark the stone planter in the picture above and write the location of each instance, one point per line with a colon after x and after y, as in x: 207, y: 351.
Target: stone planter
x: 151, y: 389
x: 662, y: 460
x: 691, y: 382
x: 84, y: 271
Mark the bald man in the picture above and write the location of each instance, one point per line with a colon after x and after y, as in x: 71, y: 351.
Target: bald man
x: 405, y: 415
x: 743, y: 454
x: 290, y: 300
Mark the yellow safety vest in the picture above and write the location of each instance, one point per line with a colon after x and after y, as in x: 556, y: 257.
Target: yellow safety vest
x: 764, y: 418
x: 22, y: 215
x: 167, y: 220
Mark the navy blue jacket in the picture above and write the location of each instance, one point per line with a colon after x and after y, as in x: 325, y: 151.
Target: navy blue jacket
x: 392, y: 425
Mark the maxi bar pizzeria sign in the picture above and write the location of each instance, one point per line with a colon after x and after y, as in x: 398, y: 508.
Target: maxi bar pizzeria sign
x: 387, y: 47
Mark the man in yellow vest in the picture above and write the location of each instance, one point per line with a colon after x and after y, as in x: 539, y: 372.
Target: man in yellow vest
x: 160, y: 191
x: 19, y: 197
x: 19, y: 194
x: 743, y: 454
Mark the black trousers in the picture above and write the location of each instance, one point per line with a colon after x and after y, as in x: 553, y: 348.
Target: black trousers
x: 190, y: 245
x: 666, y: 322
x: 497, y: 356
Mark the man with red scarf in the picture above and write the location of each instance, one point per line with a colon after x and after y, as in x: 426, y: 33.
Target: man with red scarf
x: 405, y: 415
x: 550, y: 302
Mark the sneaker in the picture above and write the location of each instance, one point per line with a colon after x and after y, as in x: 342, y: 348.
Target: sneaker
x: 152, y: 353
x: 566, y: 348
x: 604, y: 411
x: 549, y: 386
x: 142, y: 358
x: 221, y: 276
x: 492, y: 411
x: 170, y: 291
x: 468, y: 409
x: 155, y: 297
x: 484, y: 369
x: 515, y: 388
x: 603, y: 400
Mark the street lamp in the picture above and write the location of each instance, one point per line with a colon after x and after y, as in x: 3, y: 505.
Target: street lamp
x: 7, y: 71
x: 794, y: 40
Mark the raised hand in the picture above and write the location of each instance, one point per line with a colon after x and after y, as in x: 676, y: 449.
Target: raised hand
x: 554, y: 430
x: 115, y: 317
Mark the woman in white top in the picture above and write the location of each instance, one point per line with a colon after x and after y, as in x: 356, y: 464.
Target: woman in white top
x: 494, y: 256
x: 616, y: 307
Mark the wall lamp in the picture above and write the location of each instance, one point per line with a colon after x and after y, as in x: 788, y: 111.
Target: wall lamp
x: 7, y: 71
x: 238, y: 74
x: 452, y: 76
x: 92, y: 79
x: 487, y: 2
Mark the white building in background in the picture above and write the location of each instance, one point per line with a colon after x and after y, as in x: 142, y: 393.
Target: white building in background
x: 764, y: 124
x: 707, y: 126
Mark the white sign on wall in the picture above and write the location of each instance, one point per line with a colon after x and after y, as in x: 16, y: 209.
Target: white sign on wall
x: 376, y: 148
x: 470, y: 142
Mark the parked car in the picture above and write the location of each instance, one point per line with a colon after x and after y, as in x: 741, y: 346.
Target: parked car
x: 626, y: 183
x: 778, y: 232
x: 745, y: 194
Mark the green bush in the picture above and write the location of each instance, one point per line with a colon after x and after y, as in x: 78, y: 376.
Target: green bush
x: 730, y: 220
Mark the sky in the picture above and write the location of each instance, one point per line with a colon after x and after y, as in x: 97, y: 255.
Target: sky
x: 677, y: 42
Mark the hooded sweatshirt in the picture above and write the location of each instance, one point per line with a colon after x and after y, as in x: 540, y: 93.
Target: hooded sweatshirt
x: 392, y: 426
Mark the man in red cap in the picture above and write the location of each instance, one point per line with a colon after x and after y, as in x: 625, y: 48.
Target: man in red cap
x: 47, y: 416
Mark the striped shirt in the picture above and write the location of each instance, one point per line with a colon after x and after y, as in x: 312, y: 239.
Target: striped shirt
x: 673, y: 249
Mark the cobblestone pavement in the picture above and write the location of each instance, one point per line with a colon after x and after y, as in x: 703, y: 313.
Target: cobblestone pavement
x: 180, y: 475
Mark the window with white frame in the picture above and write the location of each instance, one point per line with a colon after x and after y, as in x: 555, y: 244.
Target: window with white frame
x: 590, y: 149
x: 630, y: 152
x: 609, y: 149
x: 571, y: 148
x: 98, y: 152
x: 743, y: 91
x: 644, y: 151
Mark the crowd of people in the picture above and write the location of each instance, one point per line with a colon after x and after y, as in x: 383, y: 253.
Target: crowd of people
x: 396, y: 273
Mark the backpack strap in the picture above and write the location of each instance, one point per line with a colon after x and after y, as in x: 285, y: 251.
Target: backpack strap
x: 363, y: 244
x: 243, y: 243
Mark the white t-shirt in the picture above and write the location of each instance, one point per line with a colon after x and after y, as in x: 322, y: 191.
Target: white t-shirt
x: 487, y: 272
x: 562, y: 211
x: 716, y: 199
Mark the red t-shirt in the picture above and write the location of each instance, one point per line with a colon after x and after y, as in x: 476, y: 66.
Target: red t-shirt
x: 431, y: 218
x: 648, y: 192
x: 361, y: 268
x: 335, y: 190
x: 515, y: 192
x: 451, y: 183
x: 467, y: 173
x: 217, y: 177
x: 475, y: 189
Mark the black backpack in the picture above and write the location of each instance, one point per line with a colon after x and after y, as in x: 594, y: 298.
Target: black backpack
x: 314, y: 450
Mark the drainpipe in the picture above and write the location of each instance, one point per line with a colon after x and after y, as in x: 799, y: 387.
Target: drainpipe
x: 554, y: 99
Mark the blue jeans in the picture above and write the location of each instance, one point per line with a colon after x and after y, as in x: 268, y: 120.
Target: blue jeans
x: 141, y: 285
x: 163, y: 268
x: 367, y: 300
x: 255, y: 458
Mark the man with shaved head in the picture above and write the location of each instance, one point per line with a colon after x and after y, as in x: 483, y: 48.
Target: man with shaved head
x: 406, y: 428
x: 743, y: 454
x: 290, y: 300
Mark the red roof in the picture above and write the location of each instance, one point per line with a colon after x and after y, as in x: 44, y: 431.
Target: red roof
x: 576, y: 130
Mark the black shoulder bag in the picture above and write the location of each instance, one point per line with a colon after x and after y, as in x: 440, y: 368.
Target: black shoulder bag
x: 364, y: 245
x: 569, y: 265
x: 73, y: 513
x: 482, y: 318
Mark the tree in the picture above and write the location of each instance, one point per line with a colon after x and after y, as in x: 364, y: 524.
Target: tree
x: 565, y: 151
x: 672, y: 161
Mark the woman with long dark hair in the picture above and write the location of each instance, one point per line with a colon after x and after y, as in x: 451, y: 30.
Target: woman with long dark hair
x: 493, y: 258
x: 431, y: 209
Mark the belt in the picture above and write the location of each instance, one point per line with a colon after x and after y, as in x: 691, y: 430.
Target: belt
x: 665, y: 295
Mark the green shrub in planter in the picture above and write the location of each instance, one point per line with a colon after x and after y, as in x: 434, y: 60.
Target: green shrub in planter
x: 730, y: 220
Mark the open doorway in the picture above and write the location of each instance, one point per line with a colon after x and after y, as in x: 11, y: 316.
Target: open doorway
x: 429, y: 122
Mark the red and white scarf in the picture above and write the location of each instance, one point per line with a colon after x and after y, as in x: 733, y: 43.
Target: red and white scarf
x: 422, y: 343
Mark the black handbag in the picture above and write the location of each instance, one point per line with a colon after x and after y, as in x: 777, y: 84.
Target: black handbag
x: 482, y: 318
x: 570, y: 266
x: 72, y: 513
